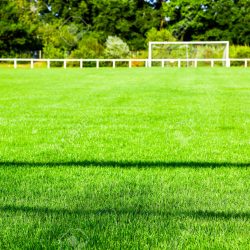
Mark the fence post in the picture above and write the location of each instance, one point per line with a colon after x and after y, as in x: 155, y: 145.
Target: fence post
x: 130, y: 64
x: 162, y: 63
x: 15, y: 63
x: 195, y: 63
x: 212, y: 63
x: 65, y: 64
x: 245, y: 63
x: 149, y: 64
x: 80, y: 64
x: 32, y: 64
x: 113, y: 61
x: 97, y: 64
x: 48, y: 64
x: 179, y: 63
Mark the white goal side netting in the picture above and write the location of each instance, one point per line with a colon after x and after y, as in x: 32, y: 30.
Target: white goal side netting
x: 189, y: 51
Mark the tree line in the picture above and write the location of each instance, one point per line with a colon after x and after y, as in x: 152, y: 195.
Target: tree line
x: 80, y: 28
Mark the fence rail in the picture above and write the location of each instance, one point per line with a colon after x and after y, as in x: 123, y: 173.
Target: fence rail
x: 131, y: 62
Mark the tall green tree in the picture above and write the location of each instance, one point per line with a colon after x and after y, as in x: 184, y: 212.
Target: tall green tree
x: 127, y: 19
x: 209, y: 19
x: 18, y: 26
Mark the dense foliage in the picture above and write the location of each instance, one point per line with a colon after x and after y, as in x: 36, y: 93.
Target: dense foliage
x: 67, y: 27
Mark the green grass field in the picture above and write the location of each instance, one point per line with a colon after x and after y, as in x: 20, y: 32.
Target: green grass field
x: 125, y: 158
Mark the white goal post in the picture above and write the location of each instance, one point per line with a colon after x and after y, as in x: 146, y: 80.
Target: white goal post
x: 189, y: 51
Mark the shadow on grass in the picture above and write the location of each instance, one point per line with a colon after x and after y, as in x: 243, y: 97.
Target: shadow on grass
x: 199, y: 214
x: 127, y: 164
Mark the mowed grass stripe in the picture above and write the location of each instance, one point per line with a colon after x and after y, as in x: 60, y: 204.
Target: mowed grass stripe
x: 125, y: 158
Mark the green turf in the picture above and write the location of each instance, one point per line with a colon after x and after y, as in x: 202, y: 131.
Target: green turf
x: 125, y: 158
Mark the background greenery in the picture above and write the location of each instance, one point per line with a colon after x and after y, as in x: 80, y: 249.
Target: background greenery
x: 73, y: 28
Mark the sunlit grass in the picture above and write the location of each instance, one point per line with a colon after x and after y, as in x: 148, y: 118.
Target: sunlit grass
x: 125, y: 158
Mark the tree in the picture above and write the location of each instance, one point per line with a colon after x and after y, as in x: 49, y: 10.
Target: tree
x: 162, y: 35
x: 209, y: 19
x: 17, y: 31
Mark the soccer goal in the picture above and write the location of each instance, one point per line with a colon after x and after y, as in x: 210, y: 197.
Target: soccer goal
x: 188, y: 53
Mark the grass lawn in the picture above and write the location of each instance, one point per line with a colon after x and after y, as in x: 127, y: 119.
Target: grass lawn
x: 125, y: 158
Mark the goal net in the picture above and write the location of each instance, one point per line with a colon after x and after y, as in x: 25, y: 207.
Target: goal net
x: 189, y: 52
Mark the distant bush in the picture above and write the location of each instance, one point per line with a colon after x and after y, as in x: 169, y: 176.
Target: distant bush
x: 116, y: 48
x: 88, y: 47
x: 237, y: 51
x: 143, y: 54
x: 162, y: 35
x: 50, y: 51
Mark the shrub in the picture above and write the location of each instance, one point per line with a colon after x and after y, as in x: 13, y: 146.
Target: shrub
x: 237, y: 51
x: 116, y: 48
x: 88, y: 47
x: 50, y: 51
x: 143, y: 54
x: 162, y: 35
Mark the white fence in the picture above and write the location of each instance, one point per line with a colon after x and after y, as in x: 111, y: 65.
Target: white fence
x: 130, y: 62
